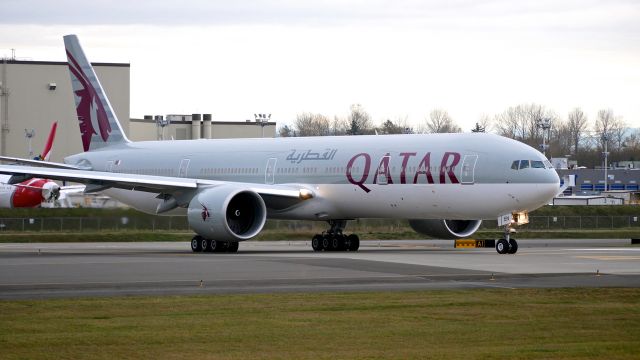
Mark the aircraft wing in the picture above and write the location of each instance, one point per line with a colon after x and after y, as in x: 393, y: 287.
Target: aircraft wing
x: 98, y: 180
x: 39, y: 163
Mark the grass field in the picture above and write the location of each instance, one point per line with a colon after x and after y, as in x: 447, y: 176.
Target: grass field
x: 488, y: 324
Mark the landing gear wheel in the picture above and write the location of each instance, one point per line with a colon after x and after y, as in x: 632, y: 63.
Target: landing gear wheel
x: 335, y: 243
x: 353, y: 242
x: 223, y: 246
x: 233, y: 247
x: 502, y: 246
x: 326, y: 242
x: 513, y: 246
x: 212, y: 245
x: 316, y: 242
x: 196, y: 245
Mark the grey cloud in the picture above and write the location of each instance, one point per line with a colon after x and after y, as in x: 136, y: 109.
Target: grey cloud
x: 284, y: 12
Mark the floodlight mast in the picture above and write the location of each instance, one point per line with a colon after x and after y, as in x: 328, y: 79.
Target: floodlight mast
x: 545, y: 125
x: 262, y: 120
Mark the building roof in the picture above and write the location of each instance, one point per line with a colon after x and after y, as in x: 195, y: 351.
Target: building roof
x: 29, y: 62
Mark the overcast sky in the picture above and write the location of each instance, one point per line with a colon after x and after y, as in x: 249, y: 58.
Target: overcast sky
x: 395, y: 58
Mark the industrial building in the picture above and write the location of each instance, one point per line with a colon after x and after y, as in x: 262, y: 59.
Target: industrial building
x: 34, y: 94
x: 197, y: 126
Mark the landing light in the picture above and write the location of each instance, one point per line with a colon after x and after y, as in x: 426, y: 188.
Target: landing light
x: 305, y: 194
x: 520, y: 218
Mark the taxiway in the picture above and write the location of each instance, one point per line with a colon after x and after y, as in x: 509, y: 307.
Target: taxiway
x: 29, y: 271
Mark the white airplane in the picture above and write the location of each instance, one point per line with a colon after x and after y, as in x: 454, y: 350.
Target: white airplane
x: 444, y: 184
x: 32, y: 192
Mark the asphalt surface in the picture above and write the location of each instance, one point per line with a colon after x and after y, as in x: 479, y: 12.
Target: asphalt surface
x: 34, y: 271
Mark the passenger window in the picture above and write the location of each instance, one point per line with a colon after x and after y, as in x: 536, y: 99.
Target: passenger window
x: 514, y: 166
x: 524, y: 164
x: 537, y: 164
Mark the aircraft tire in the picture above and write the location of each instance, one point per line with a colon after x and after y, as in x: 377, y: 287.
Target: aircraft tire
x: 316, y: 242
x: 335, y: 243
x: 326, y: 242
x: 502, y: 246
x: 196, y: 245
x: 353, y: 242
x: 513, y: 246
x: 213, y: 246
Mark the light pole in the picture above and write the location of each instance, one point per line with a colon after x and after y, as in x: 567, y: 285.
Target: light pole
x: 29, y: 134
x: 545, y: 125
x: 605, y: 140
x: 262, y: 120
x: 162, y: 123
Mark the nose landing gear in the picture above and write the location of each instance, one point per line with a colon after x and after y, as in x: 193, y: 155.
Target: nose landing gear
x: 507, y: 245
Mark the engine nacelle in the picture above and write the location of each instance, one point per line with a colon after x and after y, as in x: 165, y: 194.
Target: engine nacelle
x: 226, y: 213
x: 445, y: 229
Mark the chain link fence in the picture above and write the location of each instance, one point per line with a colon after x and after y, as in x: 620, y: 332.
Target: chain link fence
x: 180, y: 223
x: 80, y: 224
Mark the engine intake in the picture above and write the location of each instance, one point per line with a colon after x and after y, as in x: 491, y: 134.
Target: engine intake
x: 445, y: 229
x: 227, y: 214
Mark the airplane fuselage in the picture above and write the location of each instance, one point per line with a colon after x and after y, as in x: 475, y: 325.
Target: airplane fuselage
x: 437, y: 176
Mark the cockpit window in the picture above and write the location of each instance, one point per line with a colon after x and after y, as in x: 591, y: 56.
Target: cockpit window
x: 533, y: 164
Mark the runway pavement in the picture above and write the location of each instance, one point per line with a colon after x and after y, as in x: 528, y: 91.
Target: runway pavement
x: 31, y: 271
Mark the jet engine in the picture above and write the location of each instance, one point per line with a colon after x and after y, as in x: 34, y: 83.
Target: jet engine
x: 445, y: 229
x: 227, y: 213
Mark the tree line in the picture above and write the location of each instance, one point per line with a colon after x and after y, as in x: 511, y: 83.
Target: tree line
x: 575, y: 135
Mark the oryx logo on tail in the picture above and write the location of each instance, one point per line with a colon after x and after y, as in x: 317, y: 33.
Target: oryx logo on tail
x: 91, y: 111
x: 99, y: 126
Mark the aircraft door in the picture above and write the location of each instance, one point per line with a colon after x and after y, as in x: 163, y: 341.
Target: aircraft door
x: 269, y: 174
x: 184, y: 167
x: 468, y: 169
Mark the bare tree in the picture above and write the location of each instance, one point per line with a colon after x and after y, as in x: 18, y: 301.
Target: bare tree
x: 560, y: 141
x: 521, y: 122
x: 338, y: 126
x: 610, y: 129
x: 576, y: 128
x: 308, y: 124
x: 359, y: 121
x: 483, y: 125
x: 440, y: 122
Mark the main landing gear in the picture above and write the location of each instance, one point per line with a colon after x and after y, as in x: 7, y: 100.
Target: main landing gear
x: 334, y: 240
x: 507, y: 245
x: 200, y: 244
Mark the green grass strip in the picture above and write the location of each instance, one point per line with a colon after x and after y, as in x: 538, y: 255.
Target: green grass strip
x: 469, y: 324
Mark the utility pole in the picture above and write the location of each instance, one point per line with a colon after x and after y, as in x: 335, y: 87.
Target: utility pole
x: 605, y: 140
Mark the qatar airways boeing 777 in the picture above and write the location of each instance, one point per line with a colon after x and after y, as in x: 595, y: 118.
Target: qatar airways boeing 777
x: 444, y: 184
